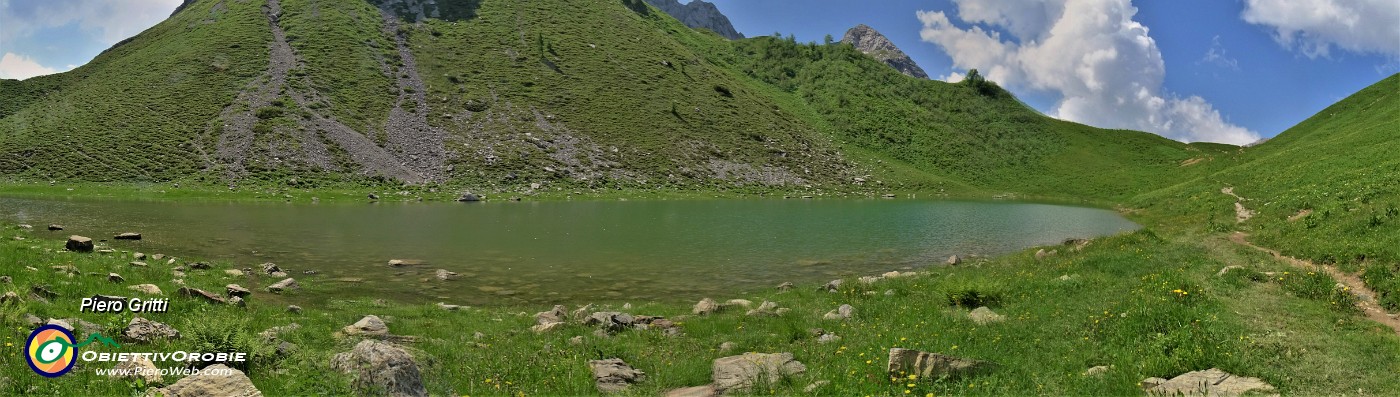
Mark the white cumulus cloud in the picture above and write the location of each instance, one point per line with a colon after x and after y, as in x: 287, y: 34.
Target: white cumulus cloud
x: 1106, y: 68
x: 20, y: 67
x: 109, y: 21
x: 1314, y: 26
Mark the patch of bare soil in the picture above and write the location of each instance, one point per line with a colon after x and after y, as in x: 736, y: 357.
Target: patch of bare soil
x: 1300, y: 215
x: 1365, y: 296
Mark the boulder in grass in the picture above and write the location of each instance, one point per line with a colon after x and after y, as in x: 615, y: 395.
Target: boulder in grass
x: 214, y: 380
x: 923, y: 365
x: 741, y: 373
x: 380, y: 368
x: 613, y: 375
x: 78, y: 243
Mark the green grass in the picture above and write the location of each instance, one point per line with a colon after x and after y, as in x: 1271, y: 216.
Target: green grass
x: 1334, y: 174
x: 1146, y: 305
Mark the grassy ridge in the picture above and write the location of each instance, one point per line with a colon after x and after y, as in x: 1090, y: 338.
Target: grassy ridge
x: 1323, y: 190
x: 569, y: 94
x: 135, y: 111
x: 973, y: 132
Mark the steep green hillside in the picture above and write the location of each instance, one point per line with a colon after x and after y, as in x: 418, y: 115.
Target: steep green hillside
x: 525, y: 96
x: 1327, y: 190
x: 134, y: 113
x: 972, y: 131
x: 500, y: 95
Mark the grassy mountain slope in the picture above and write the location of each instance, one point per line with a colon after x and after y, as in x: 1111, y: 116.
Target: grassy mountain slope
x: 971, y: 131
x: 524, y: 96
x: 133, y: 113
x: 1325, y: 190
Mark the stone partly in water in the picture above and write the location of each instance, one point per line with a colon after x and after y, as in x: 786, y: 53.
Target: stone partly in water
x: 379, y: 367
x: 444, y: 274
x: 214, y: 380
x: 78, y: 243
x: 905, y: 362
x: 613, y: 375
x: 743, y: 372
x: 55, y: 227
x: 1212, y: 382
x: 954, y: 260
x: 145, y: 331
x: 284, y: 285
x: 128, y: 236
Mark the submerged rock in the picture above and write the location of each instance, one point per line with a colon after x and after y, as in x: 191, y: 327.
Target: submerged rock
x: 284, y: 285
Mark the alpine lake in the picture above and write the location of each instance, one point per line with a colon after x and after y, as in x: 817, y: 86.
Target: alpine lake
x: 515, y: 253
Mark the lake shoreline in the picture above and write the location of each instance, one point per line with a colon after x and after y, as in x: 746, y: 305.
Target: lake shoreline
x: 1142, y: 280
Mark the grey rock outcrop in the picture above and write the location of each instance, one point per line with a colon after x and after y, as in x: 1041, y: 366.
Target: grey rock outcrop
x: 381, y: 368
x: 613, y: 375
x: 905, y: 362
x: 742, y: 372
x: 869, y: 41
x: 212, y: 381
x: 699, y: 14
x: 1212, y: 382
x: 143, y: 330
x: 78, y: 243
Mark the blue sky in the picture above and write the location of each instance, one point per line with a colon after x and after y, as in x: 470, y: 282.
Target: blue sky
x: 1260, y: 65
x: 1195, y: 70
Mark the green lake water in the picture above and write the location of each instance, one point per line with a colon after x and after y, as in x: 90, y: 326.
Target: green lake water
x: 542, y: 252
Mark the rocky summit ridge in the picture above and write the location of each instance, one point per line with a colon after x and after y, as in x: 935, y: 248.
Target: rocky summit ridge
x: 699, y: 14
x: 869, y: 41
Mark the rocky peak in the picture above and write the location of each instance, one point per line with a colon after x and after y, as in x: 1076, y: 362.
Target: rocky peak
x: 698, y: 14
x: 869, y: 41
x: 183, y: 4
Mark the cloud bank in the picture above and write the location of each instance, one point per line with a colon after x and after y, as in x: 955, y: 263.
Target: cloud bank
x: 1314, y: 26
x: 104, y: 21
x: 1106, y: 68
x: 20, y: 67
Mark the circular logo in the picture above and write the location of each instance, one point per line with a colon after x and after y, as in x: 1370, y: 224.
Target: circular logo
x: 50, y: 351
